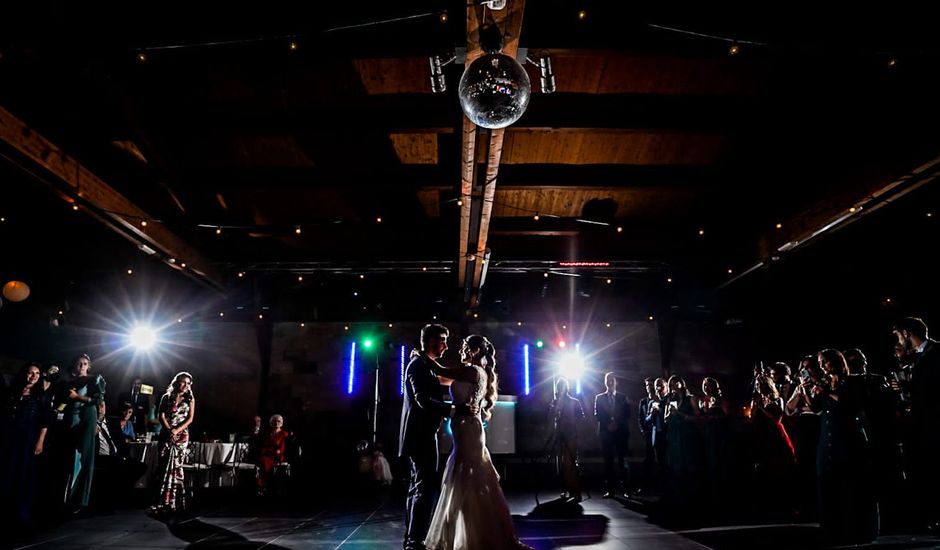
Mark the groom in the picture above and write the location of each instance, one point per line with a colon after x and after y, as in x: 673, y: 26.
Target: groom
x: 421, y: 414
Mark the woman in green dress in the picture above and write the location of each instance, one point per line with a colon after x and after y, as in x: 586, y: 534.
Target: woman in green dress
x: 82, y: 394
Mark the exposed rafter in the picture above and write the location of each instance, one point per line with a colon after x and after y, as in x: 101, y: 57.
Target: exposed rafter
x: 78, y: 185
x: 477, y: 206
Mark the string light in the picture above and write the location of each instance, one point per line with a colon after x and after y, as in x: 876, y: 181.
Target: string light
x: 701, y: 232
x: 143, y: 223
x: 582, y: 15
x: 142, y: 57
x: 668, y: 279
x: 608, y: 325
x: 300, y: 278
x: 389, y: 325
x: 172, y: 260
x: 443, y: 17
x: 292, y: 45
x: 130, y: 271
x: 536, y: 217
x: 75, y: 207
x: 61, y: 312
x: 241, y: 274
x: 619, y: 229
x: 297, y: 230
x: 378, y: 219
x: 221, y: 314
x: 729, y: 271
x: 609, y: 281
x: 302, y: 325
x: 734, y: 49
x: 651, y: 317
x: 183, y: 265
x: 852, y: 210
x: 346, y: 327
x: 459, y: 202
x: 218, y: 230
x: 779, y: 226
x: 519, y: 324
x: 361, y: 276
x: 260, y: 316
x: 892, y: 63
x: 476, y: 315
x: 545, y: 274
x: 424, y: 269
x: 180, y: 320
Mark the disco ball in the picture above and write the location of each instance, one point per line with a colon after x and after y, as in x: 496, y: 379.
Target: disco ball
x: 494, y: 91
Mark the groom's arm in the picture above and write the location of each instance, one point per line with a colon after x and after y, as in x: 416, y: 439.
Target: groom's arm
x: 426, y: 390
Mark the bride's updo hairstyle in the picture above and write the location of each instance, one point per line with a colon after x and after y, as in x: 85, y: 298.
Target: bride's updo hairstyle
x: 488, y: 362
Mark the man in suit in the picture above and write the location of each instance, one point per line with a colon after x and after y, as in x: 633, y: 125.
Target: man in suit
x: 115, y: 472
x: 646, y: 424
x: 612, y: 412
x: 421, y: 414
x: 925, y: 415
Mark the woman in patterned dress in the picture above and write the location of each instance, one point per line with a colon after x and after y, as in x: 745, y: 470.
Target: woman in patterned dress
x: 176, y: 411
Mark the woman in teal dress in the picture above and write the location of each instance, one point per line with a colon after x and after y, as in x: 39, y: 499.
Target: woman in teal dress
x: 82, y: 394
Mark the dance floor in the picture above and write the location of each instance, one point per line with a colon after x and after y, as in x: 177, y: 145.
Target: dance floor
x: 377, y: 522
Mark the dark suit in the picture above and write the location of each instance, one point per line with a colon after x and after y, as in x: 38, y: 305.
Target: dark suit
x: 925, y: 427
x: 646, y: 424
x: 612, y: 413
x: 421, y: 415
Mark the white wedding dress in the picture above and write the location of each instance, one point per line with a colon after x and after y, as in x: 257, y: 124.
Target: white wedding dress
x: 471, y: 513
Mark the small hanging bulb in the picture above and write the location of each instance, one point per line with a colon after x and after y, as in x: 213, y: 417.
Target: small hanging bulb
x: 459, y: 202
x: 300, y: 278
x: 442, y: 17
x: 143, y: 223
x: 292, y: 46
x: 536, y: 217
x: 75, y: 207
x: 734, y: 49
x: 142, y: 57
x: 297, y: 230
x: 218, y: 230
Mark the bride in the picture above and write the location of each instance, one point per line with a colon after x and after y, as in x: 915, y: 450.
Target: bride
x: 472, y: 512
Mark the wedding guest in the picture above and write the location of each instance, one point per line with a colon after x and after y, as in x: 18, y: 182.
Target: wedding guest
x: 176, y: 411
x: 612, y: 413
x: 80, y: 418
x: 127, y: 422
x: 28, y: 414
x: 272, y: 451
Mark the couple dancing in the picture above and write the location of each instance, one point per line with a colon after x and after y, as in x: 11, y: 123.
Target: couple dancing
x: 471, y: 512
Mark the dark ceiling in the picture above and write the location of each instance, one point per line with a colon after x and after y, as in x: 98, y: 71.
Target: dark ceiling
x: 660, y: 133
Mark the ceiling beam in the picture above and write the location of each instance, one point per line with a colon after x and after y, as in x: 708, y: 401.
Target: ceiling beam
x: 474, y: 232
x: 79, y: 186
x: 837, y: 211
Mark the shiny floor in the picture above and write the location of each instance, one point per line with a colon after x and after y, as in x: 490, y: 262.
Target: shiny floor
x: 376, y: 521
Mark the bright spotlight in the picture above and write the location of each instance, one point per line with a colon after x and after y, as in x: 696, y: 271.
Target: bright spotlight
x: 571, y: 366
x: 142, y: 337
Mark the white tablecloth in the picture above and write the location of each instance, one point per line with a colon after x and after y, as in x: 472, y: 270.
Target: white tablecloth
x: 217, y: 454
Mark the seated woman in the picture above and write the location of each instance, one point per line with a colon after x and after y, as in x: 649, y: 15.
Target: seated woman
x: 271, y: 452
x: 127, y: 422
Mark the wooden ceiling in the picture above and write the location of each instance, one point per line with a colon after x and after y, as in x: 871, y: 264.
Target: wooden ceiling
x: 660, y: 132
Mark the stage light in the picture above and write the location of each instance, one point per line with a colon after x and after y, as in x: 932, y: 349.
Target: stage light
x: 352, y: 369
x: 562, y: 343
x: 401, y: 367
x: 525, y: 363
x: 539, y: 344
x: 142, y: 337
x: 367, y: 343
x: 571, y: 366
